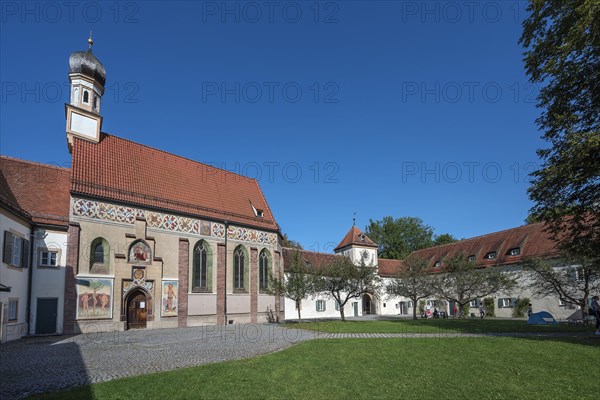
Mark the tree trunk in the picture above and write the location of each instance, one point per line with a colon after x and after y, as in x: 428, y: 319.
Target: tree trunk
x: 584, y: 305
x: 298, y: 308
x: 342, y: 313
x: 414, y: 308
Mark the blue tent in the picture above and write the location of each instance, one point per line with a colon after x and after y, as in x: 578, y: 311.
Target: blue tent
x: 541, y: 318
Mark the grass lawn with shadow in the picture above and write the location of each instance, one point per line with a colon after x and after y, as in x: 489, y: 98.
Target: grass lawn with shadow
x: 443, y: 368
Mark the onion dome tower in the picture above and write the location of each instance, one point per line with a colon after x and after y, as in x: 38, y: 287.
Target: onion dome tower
x: 87, y: 77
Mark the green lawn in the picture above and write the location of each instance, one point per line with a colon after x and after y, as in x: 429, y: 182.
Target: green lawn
x: 449, y: 368
x: 488, y: 325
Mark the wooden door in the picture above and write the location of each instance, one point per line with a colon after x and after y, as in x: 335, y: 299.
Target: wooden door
x: 137, y: 311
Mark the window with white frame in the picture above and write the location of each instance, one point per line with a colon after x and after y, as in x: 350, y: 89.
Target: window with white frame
x: 515, y: 251
x: 13, y: 309
x: 491, y: 255
x: 48, y: 258
x: 471, y: 258
x: 475, y: 303
x: 16, y: 250
x: 337, y: 306
x: 432, y: 303
x: 506, y: 302
x: 320, y: 304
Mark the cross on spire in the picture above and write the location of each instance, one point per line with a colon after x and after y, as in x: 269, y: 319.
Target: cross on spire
x: 90, y: 42
x: 354, y: 219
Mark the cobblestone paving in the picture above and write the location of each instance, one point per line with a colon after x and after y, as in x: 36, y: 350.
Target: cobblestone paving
x: 40, y: 364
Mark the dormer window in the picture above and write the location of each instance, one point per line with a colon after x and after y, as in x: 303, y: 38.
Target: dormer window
x: 362, y: 237
x: 258, y: 213
x: 514, y: 251
x: 491, y: 255
x: 471, y: 257
x: 438, y: 264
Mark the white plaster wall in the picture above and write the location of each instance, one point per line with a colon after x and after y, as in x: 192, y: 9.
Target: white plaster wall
x: 202, y: 303
x: 15, y: 278
x: 48, y: 282
x: 308, y: 308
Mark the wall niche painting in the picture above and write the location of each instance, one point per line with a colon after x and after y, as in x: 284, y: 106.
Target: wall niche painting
x: 94, y: 298
x: 169, y: 299
x: 139, y: 252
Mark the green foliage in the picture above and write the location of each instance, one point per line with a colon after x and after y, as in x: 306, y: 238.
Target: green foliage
x: 520, y: 309
x: 287, y: 242
x: 300, y: 282
x: 466, y: 309
x: 421, y: 307
x: 397, y: 238
x: 444, y: 238
x: 562, y: 55
x: 343, y: 280
x: 573, y: 284
x: 412, y: 282
x: 463, y: 282
x: 490, y: 306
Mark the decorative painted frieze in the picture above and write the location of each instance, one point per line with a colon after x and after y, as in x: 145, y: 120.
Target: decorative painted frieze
x: 116, y: 213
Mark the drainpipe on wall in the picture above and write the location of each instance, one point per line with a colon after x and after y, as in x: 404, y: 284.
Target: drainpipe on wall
x: 226, y: 222
x: 29, y: 282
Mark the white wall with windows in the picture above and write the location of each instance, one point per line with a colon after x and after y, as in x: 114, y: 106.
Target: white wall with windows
x: 15, y: 254
x: 321, y: 306
x: 48, y: 278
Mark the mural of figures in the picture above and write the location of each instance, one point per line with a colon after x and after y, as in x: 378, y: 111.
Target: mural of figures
x: 94, y: 298
x: 169, y: 299
x: 139, y: 252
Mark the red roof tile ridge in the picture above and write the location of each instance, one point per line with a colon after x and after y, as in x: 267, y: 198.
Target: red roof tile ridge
x: 175, y: 155
x: 40, y: 164
x: 478, y: 237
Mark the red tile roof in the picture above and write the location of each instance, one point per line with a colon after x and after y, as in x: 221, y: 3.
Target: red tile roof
x: 313, y: 259
x: 39, y: 190
x: 387, y: 267
x: 121, y: 170
x: 355, y: 237
x: 531, y: 240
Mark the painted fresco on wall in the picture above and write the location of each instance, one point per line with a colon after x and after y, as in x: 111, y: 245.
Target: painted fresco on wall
x: 94, y: 298
x: 139, y: 252
x: 169, y: 299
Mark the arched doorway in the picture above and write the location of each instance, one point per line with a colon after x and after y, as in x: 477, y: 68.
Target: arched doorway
x: 137, y: 309
x: 368, y: 306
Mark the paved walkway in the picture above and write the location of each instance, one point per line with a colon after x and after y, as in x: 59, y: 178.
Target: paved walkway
x: 41, y: 364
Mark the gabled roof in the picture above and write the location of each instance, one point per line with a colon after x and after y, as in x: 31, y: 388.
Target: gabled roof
x: 531, y: 240
x: 34, y: 190
x: 313, y: 260
x: 388, y: 268
x: 355, y: 237
x: 121, y: 170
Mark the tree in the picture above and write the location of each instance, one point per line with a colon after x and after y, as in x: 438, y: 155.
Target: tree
x: 444, y: 238
x: 562, y: 54
x: 412, y: 281
x: 287, y: 242
x: 397, y: 238
x: 462, y: 282
x: 95, y: 285
x: 341, y: 279
x: 572, y: 284
x: 299, y: 284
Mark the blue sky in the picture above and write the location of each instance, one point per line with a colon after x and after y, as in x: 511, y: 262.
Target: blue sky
x: 379, y: 108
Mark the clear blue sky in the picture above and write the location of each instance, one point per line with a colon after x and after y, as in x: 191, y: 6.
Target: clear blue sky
x: 379, y: 108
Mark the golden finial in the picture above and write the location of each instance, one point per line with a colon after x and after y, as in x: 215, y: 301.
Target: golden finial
x: 90, y: 42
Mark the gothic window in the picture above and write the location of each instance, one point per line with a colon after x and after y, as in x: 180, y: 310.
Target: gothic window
x: 201, y: 268
x: 86, y: 96
x: 263, y: 270
x: 99, y: 257
x: 239, y: 269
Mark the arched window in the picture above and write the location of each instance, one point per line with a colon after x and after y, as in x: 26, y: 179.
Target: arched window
x: 263, y: 270
x: 86, y: 96
x: 201, y: 268
x: 95, y: 102
x: 99, y: 253
x: 239, y: 268
x: 99, y: 256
